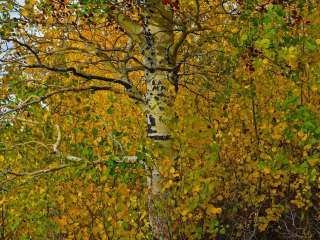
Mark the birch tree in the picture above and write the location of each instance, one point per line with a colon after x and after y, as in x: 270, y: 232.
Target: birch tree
x: 126, y: 47
x: 159, y: 119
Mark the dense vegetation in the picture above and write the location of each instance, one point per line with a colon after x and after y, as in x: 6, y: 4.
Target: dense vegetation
x: 172, y: 119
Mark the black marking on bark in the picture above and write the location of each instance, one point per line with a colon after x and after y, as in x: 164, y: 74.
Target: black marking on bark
x: 150, y: 130
x: 160, y: 137
x: 151, y: 124
x: 152, y: 120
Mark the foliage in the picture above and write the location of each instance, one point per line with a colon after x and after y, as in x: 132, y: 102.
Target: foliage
x: 245, y: 136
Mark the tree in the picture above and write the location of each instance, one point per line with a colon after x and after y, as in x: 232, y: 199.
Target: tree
x: 202, y: 65
x: 115, y: 43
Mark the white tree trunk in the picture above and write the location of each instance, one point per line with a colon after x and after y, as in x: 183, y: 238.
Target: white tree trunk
x: 159, y: 37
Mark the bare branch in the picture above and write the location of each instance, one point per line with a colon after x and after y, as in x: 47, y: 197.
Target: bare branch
x: 41, y: 171
x: 75, y: 72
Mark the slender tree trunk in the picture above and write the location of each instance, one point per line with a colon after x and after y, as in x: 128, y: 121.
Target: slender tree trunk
x: 159, y: 38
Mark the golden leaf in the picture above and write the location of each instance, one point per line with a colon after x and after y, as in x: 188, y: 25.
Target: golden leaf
x: 212, y: 211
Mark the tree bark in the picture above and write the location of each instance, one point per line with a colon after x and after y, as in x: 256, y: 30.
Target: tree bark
x: 158, y: 40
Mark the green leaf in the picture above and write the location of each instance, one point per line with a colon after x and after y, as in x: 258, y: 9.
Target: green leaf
x: 313, y: 175
x: 280, y: 158
x: 310, y: 45
x: 263, y: 43
x: 213, y: 226
x: 215, y: 147
x: 110, y: 110
x: 302, y: 168
x: 309, y: 126
x: 95, y: 132
x: 213, y: 158
x: 262, y: 165
x: 288, y: 134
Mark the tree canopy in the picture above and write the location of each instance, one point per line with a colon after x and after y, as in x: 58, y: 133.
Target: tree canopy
x: 172, y: 119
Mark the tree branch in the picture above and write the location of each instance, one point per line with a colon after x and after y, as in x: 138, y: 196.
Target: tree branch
x: 72, y: 70
x: 75, y: 162
x: 72, y: 89
x: 57, y: 143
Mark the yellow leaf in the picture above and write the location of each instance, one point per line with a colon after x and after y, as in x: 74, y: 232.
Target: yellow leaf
x: 97, y: 141
x: 2, y: 201
x: 267, y: 170
x: 100, y: 226
x: 42, y: 190
x: 60, y: 199
x: 1, y: 158
x: 318, y: 41
x: 133, y: 201
x: 196, y: 189
x: 313, y: 161
x: 19, y: 156
x: 234, y: 29
x: 314, y: 87
x: 63, y: 221
x: 276, y: 136
x: 132, y: 28
x: 220, y: 198
x: 168, y: 184
x: 211, y: 210
x: 172, y: 170
x: 106, y: 189
x: 184, y: 212
x: 143, y: 215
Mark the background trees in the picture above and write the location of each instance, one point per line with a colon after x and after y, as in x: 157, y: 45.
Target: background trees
x: 230, y: 91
